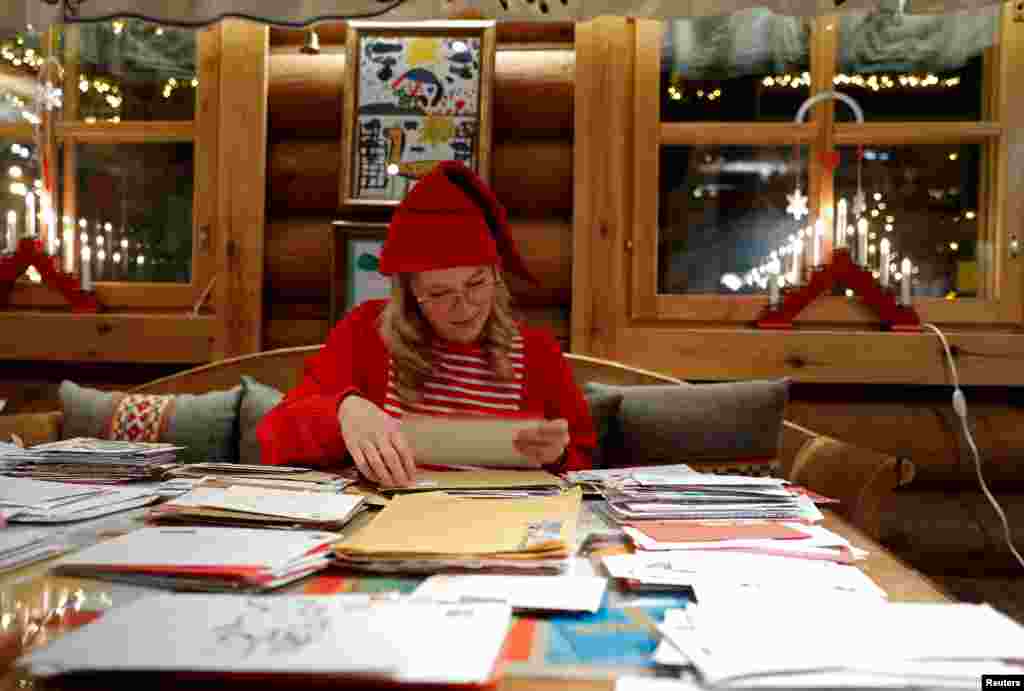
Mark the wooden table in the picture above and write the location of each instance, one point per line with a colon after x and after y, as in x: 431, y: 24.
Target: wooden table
x: 41, y: 607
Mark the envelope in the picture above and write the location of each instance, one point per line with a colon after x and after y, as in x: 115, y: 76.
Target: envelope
x: 435, y: 523
x: 434, y: 480
x: 470, y: 440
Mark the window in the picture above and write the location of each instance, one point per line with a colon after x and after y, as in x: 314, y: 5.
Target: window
x: 135, y: 149
x: 711, y: 189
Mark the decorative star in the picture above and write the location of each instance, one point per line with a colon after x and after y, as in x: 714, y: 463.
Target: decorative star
x: 51, y: 97
x: 797, y: 204
x: 860, y: 204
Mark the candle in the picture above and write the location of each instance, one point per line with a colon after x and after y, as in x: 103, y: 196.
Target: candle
x: 818, y: 239
x: 883, y: 260
x: 862, y: 242
x: 12, y: 231
x: 774, y: 282
x: 68, y: 246
x: 86, y: 268
x: 840, y: 228
x: 794, y: 276
x: 30, y: 215
x: 905, y: 283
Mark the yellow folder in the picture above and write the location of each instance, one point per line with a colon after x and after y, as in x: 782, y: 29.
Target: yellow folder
x: 437, y: 524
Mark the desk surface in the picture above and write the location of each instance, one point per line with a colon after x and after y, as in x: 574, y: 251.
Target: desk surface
x: 542, y: 652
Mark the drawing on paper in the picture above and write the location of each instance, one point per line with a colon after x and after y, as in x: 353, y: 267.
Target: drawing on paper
x: 275, y: 627
x: 418, y: 104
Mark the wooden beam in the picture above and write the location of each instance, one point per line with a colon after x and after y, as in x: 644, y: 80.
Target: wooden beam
x: 16, y: 131
x: 984, y: 358
x: 125, y: 337
x: 824, y: 55
x: 731, y: 310
x: 241, y: 181
x: 643, y: 235
x: 1009, y: 197
x: 205, y: 239
x: 508, y: 32
x: 729, y: 133
x: 911, y: 133
x: 141, y: 131
x: 115, y: 296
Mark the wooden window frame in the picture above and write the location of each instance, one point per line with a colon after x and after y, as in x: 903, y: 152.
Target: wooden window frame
x: 202, y: 131
x: 1003, y: 171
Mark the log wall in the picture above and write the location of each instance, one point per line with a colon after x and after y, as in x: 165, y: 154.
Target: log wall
x: 531, y: 173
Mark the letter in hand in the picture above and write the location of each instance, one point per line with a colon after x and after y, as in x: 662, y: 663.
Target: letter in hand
x: 379, y: 449
x: 545, y: 443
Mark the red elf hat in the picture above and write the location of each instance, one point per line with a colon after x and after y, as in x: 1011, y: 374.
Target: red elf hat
x: 450, y: 218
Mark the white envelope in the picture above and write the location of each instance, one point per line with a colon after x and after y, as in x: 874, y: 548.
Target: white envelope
x: 477, y: 441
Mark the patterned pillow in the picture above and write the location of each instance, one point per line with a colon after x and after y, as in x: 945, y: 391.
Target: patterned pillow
x: 204, y: 424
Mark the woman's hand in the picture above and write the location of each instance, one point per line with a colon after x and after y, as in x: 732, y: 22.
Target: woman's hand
x: 378, y: 447
x: 545, y: 443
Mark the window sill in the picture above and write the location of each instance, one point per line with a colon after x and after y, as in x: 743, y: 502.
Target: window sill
x: 148, y: 337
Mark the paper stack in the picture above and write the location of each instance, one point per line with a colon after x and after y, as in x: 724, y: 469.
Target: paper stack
x: 673, y: 493
x: 351, y: 638
x: 431, y: 531
x: 765, y: 643
x: 23, y: 500
x: 273, y: 476
x: 91, y: 460
x: 22, y: 546
x: 756, y: 536
x: 484, y: 483
x: 204, y: 558
x: 259, y: 507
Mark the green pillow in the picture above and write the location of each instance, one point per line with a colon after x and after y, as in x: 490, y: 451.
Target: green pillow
x: 257, y: 400
x: 204, y: 424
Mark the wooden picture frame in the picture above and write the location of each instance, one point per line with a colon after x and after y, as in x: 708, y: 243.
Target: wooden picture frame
x: 415, y: 94
x: 352, y: 282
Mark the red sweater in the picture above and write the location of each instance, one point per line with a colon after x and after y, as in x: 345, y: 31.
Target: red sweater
x: 303, y: 429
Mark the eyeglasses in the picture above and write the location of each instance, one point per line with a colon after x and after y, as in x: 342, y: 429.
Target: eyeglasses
x: 474, y: 293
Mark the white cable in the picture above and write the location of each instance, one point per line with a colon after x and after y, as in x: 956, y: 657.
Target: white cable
x: 960, y: 407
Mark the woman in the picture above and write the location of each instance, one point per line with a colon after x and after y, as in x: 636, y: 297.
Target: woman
x: 445, y: 343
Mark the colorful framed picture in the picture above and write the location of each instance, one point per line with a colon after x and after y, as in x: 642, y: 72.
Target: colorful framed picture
x: 355, y: 257
x: 415, y: 95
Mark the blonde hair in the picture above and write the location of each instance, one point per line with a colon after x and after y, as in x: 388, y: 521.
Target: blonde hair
x: 408, y: 334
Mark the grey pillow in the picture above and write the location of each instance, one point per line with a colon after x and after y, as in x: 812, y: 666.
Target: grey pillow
x: 701, y: 422
x: 604, y: 404
x: 204, y: 424
x: 257, y: 400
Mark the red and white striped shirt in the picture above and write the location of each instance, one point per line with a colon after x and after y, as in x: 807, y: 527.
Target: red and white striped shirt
x: 463, y: 382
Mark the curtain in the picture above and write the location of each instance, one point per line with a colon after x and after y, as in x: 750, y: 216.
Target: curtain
x: 759, y: 41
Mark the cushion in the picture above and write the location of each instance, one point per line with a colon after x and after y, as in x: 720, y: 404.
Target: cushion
x: 204, y: 424
x: 257, y: 400
x: 604, y: 403
x: 728, y: 427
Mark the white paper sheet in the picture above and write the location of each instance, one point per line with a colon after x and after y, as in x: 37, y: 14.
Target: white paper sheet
x: 317, y: 506
x: 740, y: 638
x: 24, y: 492
x: 738, y: 570
x: 401, y: 640
x: 201, y: 546
x: 476, y: 441
x: 549, y: 593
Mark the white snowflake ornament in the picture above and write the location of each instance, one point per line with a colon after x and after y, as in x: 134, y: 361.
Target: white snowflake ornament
x: 797, y: 204
x: 860, y: 204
